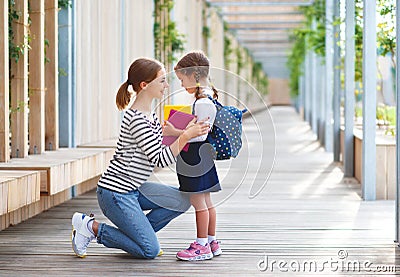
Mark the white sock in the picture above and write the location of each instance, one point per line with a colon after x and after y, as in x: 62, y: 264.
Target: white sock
x: 211, y: 238
x: 90, y: 226
x: 202, y: 241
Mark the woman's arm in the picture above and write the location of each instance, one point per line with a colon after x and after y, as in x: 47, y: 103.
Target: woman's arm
x: 193, y: 130
x: 150, y: 142
x: 170, y: 130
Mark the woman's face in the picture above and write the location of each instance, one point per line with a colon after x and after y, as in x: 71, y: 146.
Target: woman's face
x: 156, y: 88
x: 187, y: 81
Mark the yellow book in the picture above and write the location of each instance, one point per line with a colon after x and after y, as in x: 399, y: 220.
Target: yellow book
x: 182, y: 108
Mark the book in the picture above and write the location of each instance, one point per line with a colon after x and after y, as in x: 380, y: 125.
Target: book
x: 180, y: 120
x: 182, y: 108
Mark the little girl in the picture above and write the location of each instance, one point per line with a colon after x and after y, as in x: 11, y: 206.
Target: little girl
x: 195, y: 168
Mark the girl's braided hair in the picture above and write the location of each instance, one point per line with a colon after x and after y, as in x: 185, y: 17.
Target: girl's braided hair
x: 196, y: 63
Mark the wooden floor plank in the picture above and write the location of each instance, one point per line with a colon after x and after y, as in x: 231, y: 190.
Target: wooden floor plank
x: 306, y: 212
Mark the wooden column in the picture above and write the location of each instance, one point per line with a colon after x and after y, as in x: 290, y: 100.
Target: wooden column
x: 36, y: 79
x: 4, y: 82
x: 19, y: 84
x: 51, y: 75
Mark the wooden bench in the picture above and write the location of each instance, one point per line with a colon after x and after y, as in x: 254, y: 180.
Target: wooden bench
x: 29, y: 186
x: 63, y: 168
x: 109, y: 143
x: 18, y: 189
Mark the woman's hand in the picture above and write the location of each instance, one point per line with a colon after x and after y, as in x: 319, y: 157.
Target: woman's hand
x: 193, y: 129
x: 170, y: 130
x: 199, y: 128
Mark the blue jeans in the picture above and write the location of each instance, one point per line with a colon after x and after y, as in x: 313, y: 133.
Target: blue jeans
x: 135, y: 231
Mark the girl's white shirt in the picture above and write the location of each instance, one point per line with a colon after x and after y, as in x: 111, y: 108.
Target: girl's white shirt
x: 204, y: 108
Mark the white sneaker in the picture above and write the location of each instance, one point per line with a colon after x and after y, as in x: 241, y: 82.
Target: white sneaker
x: 81, y: 235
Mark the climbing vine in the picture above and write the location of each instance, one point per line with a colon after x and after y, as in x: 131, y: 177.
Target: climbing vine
x: 64, y: 4
x: 228, y: 50
x: 167, y: 38
x: 309, y: 36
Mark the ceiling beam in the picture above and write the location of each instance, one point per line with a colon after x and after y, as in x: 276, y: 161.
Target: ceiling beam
x: 247, y: 3
x: 265, y: 41
x: 233, y: 22
x: 255, y: 13
x: 262, y: 28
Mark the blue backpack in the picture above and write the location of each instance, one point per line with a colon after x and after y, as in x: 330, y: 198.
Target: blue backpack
x: 226, y: 133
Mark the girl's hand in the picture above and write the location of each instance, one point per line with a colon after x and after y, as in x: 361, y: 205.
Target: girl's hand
x: 170, y: 130
x: 199, y: 128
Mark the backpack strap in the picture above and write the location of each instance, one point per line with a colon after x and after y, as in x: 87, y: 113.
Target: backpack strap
x: 193, y: 106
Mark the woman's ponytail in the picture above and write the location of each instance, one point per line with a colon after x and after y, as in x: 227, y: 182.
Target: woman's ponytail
x: 123, y: 96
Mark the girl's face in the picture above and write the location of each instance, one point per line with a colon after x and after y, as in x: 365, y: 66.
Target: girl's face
x: 187, y: 81
x: 157, y: 87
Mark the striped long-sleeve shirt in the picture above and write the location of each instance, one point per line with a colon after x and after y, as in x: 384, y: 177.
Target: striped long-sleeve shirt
x: 139, y: 150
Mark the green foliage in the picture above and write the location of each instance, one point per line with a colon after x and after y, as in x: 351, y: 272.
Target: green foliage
x: 306, y: 35
x: 206, y: 32
x: 168, y: 37
x: 46, y: 45
x: 62, y: 72
x: 14, y: 50
x: 296, y: 59
x: 386, y: 118
x: 64, y: 4
x: 315, y: 14
x: 386, y: 32
x: 239, y: 60
x: 227, y: 50
x: 259, y: 78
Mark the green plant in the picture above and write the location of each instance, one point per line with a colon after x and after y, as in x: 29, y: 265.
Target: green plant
x: 46, y: 45
x: 259, y: 78
x: 386, y: 118
x: 306, y: 35
x: 296, y: 59
x: 14, y: 50
x: 386, y: 33
x: 206, y: 32
x: 62, y: 72
x: 228, y: 50
x: 64, y: 4
x: 239, y: 60
x: 166, y: 39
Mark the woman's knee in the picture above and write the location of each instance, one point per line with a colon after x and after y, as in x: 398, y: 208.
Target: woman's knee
x: 151, y: 251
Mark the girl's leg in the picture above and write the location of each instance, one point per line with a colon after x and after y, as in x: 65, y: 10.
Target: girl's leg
x: 134, y: 234
x: 199, y: 250
x: 212, y: 215
x: 212, y: 223
x: 202, y: 217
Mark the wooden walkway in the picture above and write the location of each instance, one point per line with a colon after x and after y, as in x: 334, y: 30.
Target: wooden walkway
x: 305, y: 215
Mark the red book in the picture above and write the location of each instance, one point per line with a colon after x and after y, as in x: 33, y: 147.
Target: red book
x: 180, y: 120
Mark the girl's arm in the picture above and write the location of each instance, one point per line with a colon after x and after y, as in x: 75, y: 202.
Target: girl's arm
x: 204, y: 108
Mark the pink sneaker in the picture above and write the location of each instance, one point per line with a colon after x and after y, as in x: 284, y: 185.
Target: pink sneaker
x: 195, y: 252
x: 215, y: 249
